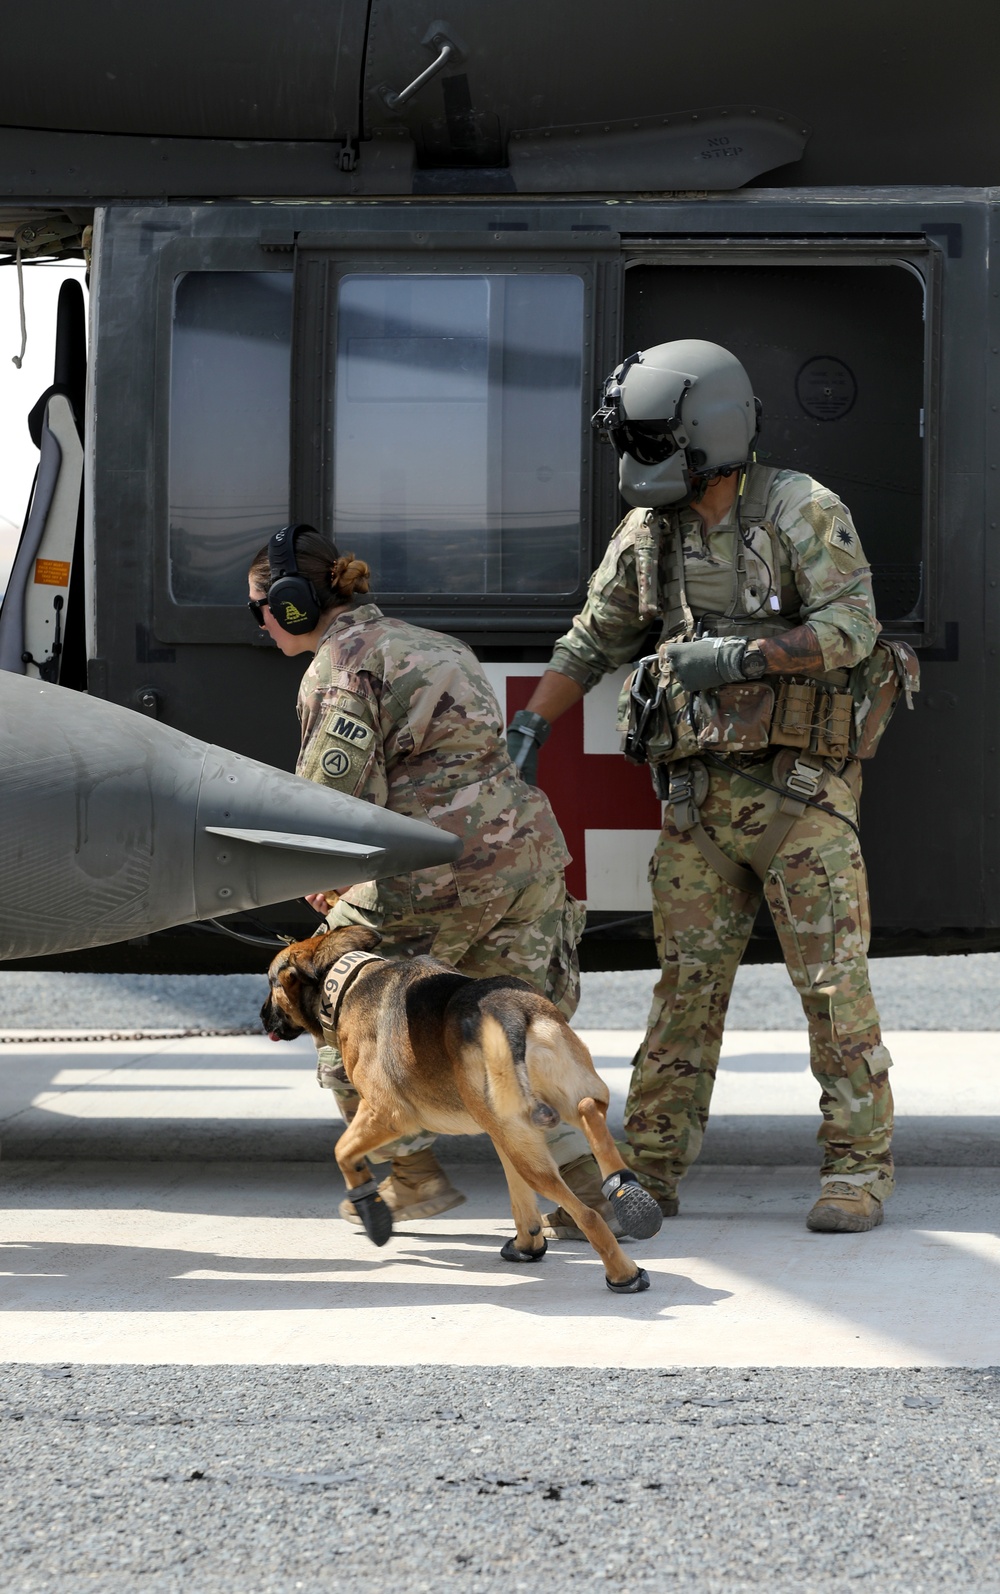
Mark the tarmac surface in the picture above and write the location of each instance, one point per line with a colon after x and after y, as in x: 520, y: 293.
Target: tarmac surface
x: 210, y: 1381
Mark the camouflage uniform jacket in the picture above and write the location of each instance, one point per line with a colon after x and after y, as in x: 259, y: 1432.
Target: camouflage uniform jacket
x: 659, y: 561
x: 405, y: 718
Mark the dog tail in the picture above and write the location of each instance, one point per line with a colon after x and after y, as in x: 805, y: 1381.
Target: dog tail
x: 503, y: 1039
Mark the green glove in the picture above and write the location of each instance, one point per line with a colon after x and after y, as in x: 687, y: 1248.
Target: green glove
x: 525, y: 735
x: 712, y: 661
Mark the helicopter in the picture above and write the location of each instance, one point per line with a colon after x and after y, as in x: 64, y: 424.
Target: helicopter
x: 359, y: 265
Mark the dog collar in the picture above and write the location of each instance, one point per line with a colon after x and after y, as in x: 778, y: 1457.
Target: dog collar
x: 338, y: 978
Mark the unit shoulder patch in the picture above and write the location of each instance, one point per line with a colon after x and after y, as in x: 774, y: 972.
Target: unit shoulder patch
x: 344, y: 745
x: 843, y: 543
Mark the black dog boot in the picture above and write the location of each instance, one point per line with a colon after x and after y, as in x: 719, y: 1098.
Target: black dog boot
x: 373, y: 1212
x: 511, y: 1252
x: 638, y: 1212
x: 633, y: 1286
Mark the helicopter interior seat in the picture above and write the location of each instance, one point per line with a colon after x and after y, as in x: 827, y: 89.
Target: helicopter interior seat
x: 34, y: 614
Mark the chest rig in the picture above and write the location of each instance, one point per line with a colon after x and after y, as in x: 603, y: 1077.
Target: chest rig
x: 757, y: 589
x: 817, y: 726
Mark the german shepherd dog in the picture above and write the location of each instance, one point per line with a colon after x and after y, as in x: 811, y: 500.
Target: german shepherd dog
x: 428, y: 1048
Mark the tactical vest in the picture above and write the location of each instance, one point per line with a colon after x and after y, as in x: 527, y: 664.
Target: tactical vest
x: 837, y: 716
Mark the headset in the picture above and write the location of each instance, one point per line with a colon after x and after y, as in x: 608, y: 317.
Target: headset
x: 291, y: 598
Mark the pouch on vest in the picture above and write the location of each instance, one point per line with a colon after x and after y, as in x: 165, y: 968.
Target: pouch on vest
x: 735, y: 718
x: 815, y: 716
x: 891, y: 671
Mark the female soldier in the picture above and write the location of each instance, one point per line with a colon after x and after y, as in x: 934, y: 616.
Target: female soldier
x: 405, y: 718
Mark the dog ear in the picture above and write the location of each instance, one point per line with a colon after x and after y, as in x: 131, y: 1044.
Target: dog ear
x: 349, y: 938
x: 302, y: 963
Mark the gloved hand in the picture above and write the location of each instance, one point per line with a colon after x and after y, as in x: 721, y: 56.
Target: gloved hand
x: 525, y: 735
x: 711, y: 661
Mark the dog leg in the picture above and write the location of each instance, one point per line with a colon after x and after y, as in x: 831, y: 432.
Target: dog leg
x: 636, y: 1211
x: 364, y: 1133
x: 620, y: 1272
x: 527, y: 1244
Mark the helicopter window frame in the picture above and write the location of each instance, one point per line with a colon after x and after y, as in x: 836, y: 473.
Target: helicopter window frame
x: 173, y: 621
x: 921, y: 256
x: 323, y: 263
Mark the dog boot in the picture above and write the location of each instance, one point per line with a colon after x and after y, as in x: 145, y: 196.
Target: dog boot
x: 417, y: 1187
x: 845, y: 1209
x: 584, y: 1179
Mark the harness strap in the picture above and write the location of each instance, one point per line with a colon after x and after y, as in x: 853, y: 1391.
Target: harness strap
x: 760, y: 479
x: 684, y: 805
x: 732, y: 873
x: 805, y: 776
x: 802, y: 776
x: 341, y: 975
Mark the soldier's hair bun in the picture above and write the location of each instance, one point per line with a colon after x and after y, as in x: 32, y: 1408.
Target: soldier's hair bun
x: 349, y: 576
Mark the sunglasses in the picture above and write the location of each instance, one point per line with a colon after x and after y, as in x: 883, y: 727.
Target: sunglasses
x: 257, y: 607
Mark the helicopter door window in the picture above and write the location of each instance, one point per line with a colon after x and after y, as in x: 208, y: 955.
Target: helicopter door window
x: 229, y: 433
x: 457, y: 455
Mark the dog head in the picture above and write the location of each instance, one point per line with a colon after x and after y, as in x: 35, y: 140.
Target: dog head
x: 296, y: 979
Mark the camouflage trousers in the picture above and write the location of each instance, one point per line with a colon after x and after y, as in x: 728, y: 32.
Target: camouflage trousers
x: 531, y: 933
x: 817, y: 893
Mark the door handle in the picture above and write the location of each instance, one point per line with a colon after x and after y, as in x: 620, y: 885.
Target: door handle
x: 436, y: 38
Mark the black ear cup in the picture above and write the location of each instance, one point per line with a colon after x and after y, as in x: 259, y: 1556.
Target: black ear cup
x: 293, y: 602
x: 291, y: 598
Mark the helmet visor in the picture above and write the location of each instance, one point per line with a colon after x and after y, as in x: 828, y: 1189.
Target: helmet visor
x: 647, y: 441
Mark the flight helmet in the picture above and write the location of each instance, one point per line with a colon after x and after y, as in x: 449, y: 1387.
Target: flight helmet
x: 677, y: 413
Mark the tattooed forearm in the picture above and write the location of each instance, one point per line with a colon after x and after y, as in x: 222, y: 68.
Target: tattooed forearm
x: 795, y: 653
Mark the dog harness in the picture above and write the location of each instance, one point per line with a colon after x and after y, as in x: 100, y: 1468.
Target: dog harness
x: 338, y: 978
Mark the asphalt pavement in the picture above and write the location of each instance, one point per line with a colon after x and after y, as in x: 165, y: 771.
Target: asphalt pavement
x: 423, y: 1479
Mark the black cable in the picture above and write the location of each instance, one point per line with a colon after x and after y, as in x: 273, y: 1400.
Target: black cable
x: 213, y: 927
x: 811, y: 802
x: 614, y: 924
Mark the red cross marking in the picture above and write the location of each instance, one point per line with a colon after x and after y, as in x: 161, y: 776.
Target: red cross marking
x: 589, y: 791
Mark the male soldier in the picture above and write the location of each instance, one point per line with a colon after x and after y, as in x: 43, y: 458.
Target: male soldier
x: 405, y: 718
x: 765, y: 599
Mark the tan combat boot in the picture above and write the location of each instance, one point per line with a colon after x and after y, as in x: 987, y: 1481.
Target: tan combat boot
x: 417, y: 1187
x: 584, y: 1179
x: 845, y: 1209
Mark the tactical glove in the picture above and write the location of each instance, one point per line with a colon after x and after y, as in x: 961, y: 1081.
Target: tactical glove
x: 710, y: 662
x: 525, y: 735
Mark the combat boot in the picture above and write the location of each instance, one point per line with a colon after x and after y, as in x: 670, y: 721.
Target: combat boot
x: 417, y: 1187
x: 584, y: 1179
x: 845, y: 1209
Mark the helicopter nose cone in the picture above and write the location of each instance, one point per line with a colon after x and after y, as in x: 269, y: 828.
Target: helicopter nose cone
x: 115, y: 826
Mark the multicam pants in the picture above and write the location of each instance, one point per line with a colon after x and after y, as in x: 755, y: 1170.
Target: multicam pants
x: 531, y: 933
x: 817, y: 892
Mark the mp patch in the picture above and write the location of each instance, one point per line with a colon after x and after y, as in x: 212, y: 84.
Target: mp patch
x: 353, y: 731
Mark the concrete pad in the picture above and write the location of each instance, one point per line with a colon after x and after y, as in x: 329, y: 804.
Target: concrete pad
x: 243, y: 1096
x: 219, y: 1263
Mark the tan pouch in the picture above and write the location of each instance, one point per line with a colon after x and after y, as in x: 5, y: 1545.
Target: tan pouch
x: 833, y: 718
x: 793, y: 714
x: 892, y: 670
x: 735, y: 718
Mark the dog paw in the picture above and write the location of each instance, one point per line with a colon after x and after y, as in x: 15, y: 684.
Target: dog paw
x: 632, y: 1286
x: 511, y: 1252
x: 375, y: 1214
x: 637, y: 1212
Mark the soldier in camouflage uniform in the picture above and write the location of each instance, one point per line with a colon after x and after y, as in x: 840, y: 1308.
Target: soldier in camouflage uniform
x: 405, y: 718
x: 753, y: 573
